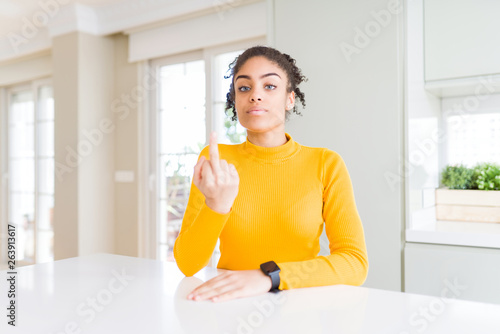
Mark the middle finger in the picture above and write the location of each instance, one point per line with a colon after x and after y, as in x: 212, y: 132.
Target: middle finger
x: 214, y: 152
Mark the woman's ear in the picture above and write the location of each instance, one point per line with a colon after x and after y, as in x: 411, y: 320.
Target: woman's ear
x: 290, y: 101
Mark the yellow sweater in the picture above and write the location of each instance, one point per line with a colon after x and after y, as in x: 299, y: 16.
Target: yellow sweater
x: 285, y: 195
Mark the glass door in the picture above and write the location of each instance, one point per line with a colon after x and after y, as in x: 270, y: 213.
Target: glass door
x: 30, y: 195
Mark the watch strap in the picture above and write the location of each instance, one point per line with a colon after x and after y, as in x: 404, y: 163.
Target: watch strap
x: 272, y: 270
x: 275, y: 278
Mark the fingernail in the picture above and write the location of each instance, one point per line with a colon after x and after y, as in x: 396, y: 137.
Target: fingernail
x: 190, y: 296
x: 215, y: 299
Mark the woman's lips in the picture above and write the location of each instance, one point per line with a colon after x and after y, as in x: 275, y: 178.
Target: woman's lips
x: 256, y: 112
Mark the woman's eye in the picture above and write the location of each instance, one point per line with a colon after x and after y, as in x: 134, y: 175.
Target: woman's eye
x: 270, y: 87
x: 243, y: 88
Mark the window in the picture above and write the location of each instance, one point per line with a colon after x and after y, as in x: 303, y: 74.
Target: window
x: 189, y: 105
x: 181, y: 136
x: 30, y: 170
x: 466, y: 137
x: 476, y: 139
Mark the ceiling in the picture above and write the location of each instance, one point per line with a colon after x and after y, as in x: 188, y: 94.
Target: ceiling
x: 28, y: 26
x: 17, y: 8
x: 13, y: 11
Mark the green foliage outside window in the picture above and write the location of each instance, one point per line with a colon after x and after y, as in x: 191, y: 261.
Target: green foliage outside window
x: 232, y: 131
x: 483, y: 176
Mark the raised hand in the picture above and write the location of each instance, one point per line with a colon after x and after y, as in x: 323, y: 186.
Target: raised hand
x: 217, y: 180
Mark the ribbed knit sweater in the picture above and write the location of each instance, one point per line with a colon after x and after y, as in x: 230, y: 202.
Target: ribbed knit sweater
x: 285, y: 195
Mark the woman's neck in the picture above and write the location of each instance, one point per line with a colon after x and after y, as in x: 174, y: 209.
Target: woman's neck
x: 267, y: 139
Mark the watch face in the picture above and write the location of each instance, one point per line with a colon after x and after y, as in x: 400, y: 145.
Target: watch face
x: 270, y: 266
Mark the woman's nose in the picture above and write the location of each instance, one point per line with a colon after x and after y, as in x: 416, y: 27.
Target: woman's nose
x: 256, y: 96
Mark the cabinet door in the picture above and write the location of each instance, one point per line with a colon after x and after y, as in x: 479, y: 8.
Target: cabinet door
x: 461, y: 38
x: 466, y: 273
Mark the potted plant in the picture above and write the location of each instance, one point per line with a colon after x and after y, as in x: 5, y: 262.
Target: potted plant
x: 471, y: 194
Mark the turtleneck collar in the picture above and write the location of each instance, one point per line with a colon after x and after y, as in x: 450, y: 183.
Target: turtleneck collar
x: 272, y: 154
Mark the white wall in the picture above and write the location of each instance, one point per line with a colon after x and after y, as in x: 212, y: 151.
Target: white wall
x: 354, y: 107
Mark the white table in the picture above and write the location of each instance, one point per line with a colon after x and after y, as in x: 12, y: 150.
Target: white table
x: 89, y: 294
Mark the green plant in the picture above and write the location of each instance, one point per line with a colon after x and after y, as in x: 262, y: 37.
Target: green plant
x: 483, y: 176
x: 457, y: 177
x: 487, y: 176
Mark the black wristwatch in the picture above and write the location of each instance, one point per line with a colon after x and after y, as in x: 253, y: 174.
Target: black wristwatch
x: 272, y: 270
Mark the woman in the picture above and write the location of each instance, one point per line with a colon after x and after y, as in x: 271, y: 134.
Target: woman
x: 267, y: 198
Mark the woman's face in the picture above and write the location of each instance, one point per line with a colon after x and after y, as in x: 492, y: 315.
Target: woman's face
x: 261, y: 96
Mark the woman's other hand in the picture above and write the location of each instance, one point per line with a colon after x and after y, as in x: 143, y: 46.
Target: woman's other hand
x: 232, y: 284
x: 217, y: 180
